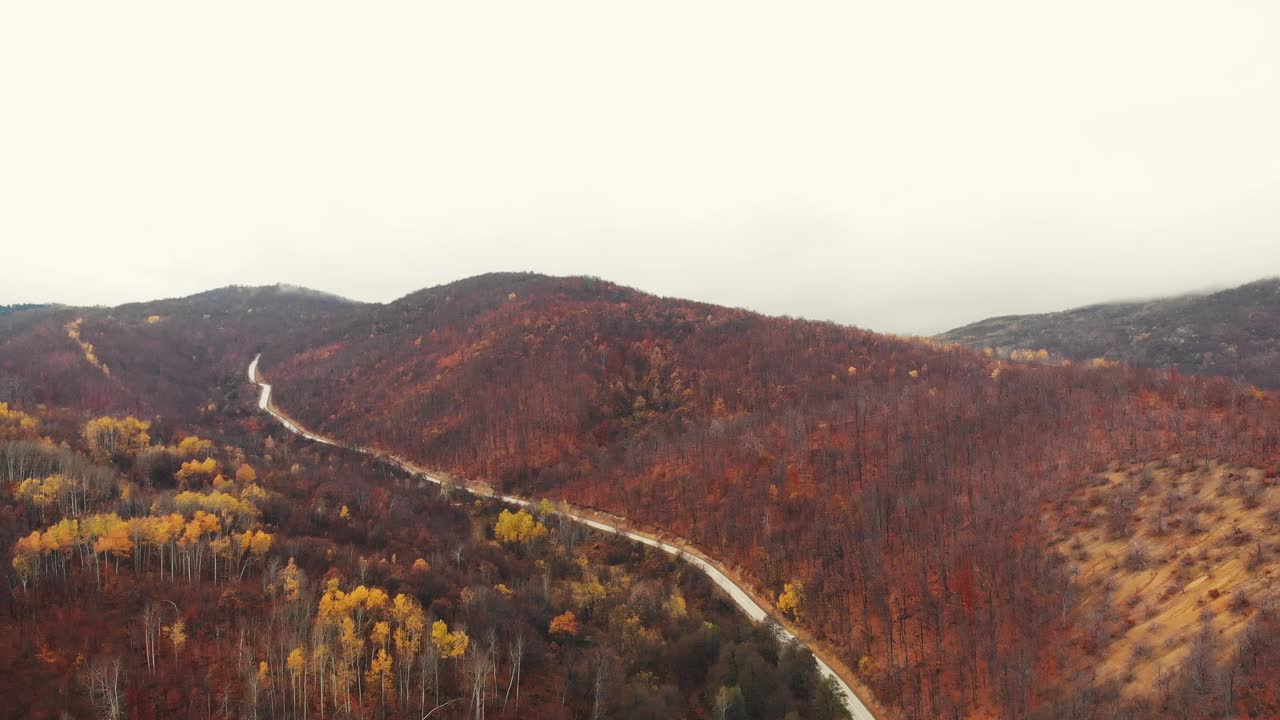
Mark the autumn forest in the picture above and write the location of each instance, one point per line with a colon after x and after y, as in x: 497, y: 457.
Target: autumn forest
x: 960, y: 532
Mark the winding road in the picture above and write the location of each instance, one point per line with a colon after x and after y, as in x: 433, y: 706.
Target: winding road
x: 857, y: 709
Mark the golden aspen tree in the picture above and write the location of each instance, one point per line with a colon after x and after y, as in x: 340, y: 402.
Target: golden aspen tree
x: 518, y: 527
x: 108, y: 436
x: 291, y: 578
x: 376, y: 599
x: 40, y: 494
x: 296, y: 665
x: 59, y: 540
x: 379, y: 676
x: 28, y: 557
x: 263, y: 678
x: 381, y: 634
x: 411, y: 623
x: 351, y: 645
x: 252, y: 545
x: 114, y: 541
x: 448, y: 644
x: 789, y: 601
x: 197, y: 469
x: 193, y: 446
x: 177, y: 633
x: 17, y: 425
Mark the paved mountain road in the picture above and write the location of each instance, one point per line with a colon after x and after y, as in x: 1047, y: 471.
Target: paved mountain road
x: 748, y: 604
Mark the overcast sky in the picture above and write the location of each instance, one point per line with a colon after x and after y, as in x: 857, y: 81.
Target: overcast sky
x: 905, y: 167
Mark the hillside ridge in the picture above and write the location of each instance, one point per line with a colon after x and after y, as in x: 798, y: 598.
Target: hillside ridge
x: 1233, y: 333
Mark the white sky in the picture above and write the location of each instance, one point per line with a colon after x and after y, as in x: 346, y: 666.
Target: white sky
x: 906, y: 167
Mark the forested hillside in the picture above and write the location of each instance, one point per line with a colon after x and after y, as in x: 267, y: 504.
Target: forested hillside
x: 943, y: 520
x: 151, y: 572
x: 19, y: 307
x: 894, y: 484
x: 175, y: 358
x: 1234, y: 333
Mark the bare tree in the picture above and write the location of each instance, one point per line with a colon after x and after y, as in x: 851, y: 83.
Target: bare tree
x: 103, y: 677
x: 515, y: 651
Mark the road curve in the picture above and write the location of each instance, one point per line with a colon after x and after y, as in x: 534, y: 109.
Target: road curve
x: 857, y: 709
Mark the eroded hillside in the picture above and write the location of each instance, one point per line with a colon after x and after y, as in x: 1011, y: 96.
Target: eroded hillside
x: 1176, y: 563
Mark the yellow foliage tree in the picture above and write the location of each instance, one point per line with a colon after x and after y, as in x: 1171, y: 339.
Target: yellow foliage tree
x: 411, y: 624
x: 379, y: 675
x: 40, y: 494
x: 518, y: 527
x: 352, y: 647
x: 197, y: 469
x: 789, y: 602
x: 257, y: 541
x: 177, y: 633
x: 16, y: 425
x: 108, y: 436
x: 27, y: 555
x: 381, y: 634
x: 291, y: 581
x: 192, y: 446
x: 448, y: 644
x: 296, y: 663
x: 113, y: 539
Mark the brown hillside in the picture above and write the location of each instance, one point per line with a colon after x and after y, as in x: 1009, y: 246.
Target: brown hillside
x: 899, y: 481
x: 174, y: 358
x: 1233, y: 333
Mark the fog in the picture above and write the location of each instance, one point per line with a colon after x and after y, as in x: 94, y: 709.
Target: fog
x: 906, y: 167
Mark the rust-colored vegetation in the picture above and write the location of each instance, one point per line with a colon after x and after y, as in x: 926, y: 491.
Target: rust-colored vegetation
x: 921, y: 500
x: 904, y: 496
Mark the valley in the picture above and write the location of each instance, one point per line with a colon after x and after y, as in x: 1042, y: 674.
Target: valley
x: 750, y: 605
x: 953, y: 532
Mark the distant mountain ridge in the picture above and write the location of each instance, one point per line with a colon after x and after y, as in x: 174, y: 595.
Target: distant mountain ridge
x: 173, y: 357
x: 18, y: 307
x: 1234, y: 333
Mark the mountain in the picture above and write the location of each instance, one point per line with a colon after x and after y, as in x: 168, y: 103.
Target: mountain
x: 900, y: 482
x: 182, y: 555
x: 1233, y: 333
x: 972, y: 536
x: 173, y: 357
